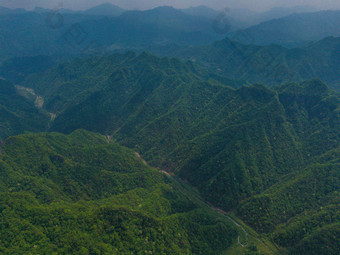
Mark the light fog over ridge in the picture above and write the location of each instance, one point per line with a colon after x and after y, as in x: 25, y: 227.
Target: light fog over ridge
x: 257, y: 5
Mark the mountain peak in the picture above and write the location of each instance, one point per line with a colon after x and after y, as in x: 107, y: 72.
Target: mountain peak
x: 106, y: 9
x: 165, y: 10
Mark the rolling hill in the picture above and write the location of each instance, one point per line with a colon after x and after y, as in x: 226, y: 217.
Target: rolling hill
x: 82, y: 194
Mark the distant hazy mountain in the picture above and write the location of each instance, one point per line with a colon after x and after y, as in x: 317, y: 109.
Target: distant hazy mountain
x: 4, y: 11
x: 32, y: 34
x: 61, y: 10
x: 250, y: 18
x: 163, y: 25
x: 242, y: 18
x: 202, y: 11
x: 294, y: 30
x: 279, y: 12
x: 105, y: 9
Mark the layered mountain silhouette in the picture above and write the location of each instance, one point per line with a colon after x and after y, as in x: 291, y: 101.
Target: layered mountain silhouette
x: 99, y: 30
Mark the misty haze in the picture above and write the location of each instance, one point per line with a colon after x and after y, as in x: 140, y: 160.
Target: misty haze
x: 170, y: 127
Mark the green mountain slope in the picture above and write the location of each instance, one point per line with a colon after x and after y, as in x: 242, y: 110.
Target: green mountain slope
x: 244, y: 149
x: 131, y: 77
x: 300, y: 210
x: 80, y: 194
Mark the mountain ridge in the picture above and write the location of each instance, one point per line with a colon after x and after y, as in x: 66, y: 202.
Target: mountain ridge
x: 105, y: 9
x: 295, y: 30
x: 271, y: 64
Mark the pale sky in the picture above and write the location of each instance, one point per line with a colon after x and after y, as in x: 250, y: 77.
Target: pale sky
x: 259, y: 5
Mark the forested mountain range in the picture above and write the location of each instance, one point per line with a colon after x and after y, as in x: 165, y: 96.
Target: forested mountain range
x: 242, y: 17
x: 207, y: 145
x: 271, y: 65
x: 254, y: 147
x: 106, y: 9
x: 109, y: 28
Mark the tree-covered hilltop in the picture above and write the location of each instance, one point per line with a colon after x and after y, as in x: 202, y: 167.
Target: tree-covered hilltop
x: 81, y: 194
x: 246, y: 149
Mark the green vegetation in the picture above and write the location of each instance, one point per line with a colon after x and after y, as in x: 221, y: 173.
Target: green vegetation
x: 269, y: 155
x: 300, y: 211
x: 80, y: 194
